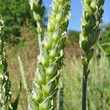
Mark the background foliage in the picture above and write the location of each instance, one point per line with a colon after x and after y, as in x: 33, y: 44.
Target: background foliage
x: 105, y: 42
x: 15, y: 14
x: 98, y: 83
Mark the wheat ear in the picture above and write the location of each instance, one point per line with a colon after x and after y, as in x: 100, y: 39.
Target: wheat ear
x: 92, y: 17
x: 50, y: 60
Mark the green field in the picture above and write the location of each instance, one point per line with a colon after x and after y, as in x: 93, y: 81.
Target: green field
x: 98, y: 97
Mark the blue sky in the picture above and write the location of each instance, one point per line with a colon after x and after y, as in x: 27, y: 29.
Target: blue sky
x: 76, y: 11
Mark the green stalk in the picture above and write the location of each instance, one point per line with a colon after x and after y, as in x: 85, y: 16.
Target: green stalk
x: 84, y: 92
x: 92, y: 17
x: 45, y: 84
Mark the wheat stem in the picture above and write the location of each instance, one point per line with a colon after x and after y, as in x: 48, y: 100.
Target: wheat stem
x: 84, y: 92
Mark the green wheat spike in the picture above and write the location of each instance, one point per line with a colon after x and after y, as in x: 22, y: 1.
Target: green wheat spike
x: 45, y: 83
x: 92, y: 17
x: 23, y: 74
x: 5, y: 94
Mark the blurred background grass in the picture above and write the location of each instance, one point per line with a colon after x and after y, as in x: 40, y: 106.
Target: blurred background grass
x: 98, y: 97
x: 21, y: 39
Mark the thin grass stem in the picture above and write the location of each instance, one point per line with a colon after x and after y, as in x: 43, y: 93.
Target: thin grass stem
x: 84, y: 90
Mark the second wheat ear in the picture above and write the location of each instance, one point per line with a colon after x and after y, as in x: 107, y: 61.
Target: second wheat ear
x: 90, y: 30
x: 5, y: 85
